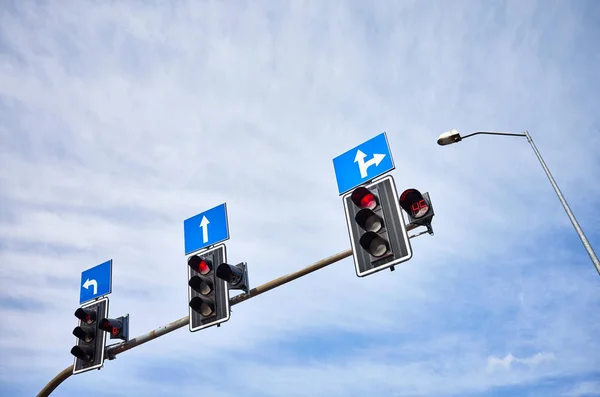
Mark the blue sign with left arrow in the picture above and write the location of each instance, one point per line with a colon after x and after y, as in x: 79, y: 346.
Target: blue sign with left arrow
x: 95, y: 282
x: 363, y: 163
x: 206, y: 228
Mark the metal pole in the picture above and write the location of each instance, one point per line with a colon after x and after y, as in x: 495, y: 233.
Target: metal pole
x: 578, y: 229
x: 57, y: 380
x: 113, y: 350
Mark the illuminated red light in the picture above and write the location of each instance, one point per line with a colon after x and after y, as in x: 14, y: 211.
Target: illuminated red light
x: 203, y: 267
x: 115, y: 331
x: 368, y: 201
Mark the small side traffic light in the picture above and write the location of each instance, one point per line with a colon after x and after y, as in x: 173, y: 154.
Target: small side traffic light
x: 418, y: 207
x: 235, y: 276
x: 117, y: 328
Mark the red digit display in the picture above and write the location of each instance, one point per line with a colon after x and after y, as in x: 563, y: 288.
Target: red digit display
x: 419, y: 208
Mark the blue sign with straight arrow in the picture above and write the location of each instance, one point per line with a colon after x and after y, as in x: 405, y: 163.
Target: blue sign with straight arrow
x: 205, y: 229
x: 96, y: 282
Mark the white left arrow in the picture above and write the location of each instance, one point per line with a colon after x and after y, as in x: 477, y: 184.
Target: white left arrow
x: 89, y: 282
x: 204, y: 225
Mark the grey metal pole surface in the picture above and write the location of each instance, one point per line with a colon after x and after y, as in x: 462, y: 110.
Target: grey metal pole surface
x: 563, y: 201
x: 113, y: 350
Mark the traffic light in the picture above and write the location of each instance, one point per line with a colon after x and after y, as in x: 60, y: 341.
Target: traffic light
x: 117, y: 328
x: 376, y: 227
x: 89, y: 348
x: 418, y: 208
x: 208, y: 294
x: 235, y: 276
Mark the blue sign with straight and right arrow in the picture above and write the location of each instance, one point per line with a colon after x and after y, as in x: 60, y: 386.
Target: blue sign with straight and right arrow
x: 205, y: 229
x: 363, y: 163
x: 96, y: 282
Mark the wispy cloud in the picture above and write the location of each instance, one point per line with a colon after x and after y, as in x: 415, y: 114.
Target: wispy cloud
x: 584, y: 389
x: 120, y: 120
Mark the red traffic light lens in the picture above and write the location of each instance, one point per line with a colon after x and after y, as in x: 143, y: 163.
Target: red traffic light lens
x: 201, y: 265
x: 86, y: 315
x: 368, y: 201
x: 364, y: 198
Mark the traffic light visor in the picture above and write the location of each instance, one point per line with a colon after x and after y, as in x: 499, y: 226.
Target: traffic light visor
x: 84, y: 353
x: 364, y: 198
x: 199, y: 264
x: 202, y: 286
x: 412, y: 201
x: 204, y: 307
x: 369, y: 220
x: 374, y: 244
x: 85, y: 335
x: 86, y: 315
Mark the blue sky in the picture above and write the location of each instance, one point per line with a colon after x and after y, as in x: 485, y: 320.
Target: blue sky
x: 118, y: 120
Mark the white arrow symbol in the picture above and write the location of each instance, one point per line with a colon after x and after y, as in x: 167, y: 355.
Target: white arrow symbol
x: 204, y: 225
x: 89, y: 282
x: 364, y: 165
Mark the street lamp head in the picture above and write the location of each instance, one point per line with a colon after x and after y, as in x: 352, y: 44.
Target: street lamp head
x: 449, y: 137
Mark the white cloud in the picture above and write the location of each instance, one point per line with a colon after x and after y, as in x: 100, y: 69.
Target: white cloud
x: 506, y: 363
x: 120, y: 120
x: 584, y: 389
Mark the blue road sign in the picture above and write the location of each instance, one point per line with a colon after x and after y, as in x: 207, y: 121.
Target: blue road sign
x: 95, y: 282
x: 363, y: 163
x: 206, y: 228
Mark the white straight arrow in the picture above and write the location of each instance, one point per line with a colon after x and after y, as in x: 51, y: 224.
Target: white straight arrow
x: 204, y: 225
x: 89, y: 282
x: 363, y: 165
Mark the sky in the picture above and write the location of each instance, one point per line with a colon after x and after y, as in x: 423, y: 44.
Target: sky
x: 119, y: 120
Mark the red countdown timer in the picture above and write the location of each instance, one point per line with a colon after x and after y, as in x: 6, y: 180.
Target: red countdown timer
x: 413, y: 203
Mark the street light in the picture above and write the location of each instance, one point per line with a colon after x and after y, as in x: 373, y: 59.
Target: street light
x: 453, y: 136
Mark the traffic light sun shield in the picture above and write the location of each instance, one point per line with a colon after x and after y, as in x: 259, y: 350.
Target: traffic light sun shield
x: 202, y: 286
x: 369, y: 220
x: 204, y: 307
x: 363, y: 198
x: 374, y: 244
x: 85, y: 315
x: 85, y: 335
x: 200, y: 265
x: 84, y: 353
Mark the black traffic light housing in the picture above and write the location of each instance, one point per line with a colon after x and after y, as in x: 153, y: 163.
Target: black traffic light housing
x: 235, y: 276
x: 377, y: 232
x: 117, y: 328
x: 418, y: 207
x: 208, y: 294
x: 90, y: 341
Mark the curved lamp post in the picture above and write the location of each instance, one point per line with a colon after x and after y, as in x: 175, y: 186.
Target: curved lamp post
x: 453, y: 136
